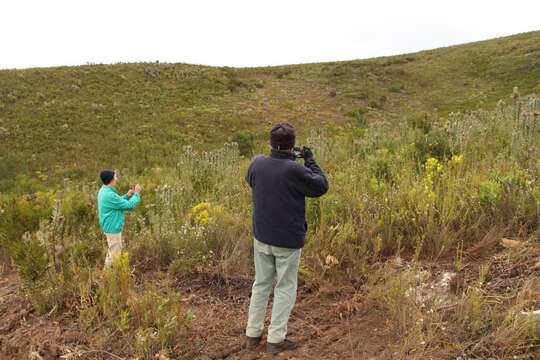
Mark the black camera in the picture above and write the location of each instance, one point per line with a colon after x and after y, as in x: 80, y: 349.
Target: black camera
x: 299, y: 152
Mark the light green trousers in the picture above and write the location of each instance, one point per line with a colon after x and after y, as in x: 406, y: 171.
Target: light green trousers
x: 272, y: 262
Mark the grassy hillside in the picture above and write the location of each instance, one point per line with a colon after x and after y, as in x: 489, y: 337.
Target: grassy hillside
x: 404, y: 256
x: 71, y: 121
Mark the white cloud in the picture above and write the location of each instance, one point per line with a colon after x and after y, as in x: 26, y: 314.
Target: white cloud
x: 245, y: 33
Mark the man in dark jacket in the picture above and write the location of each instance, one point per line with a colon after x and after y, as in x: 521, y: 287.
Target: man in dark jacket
x: 279, y: 186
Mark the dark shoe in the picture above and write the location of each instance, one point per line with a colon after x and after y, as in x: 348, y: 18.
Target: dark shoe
x: 252, y: 342
x: 280, y: 347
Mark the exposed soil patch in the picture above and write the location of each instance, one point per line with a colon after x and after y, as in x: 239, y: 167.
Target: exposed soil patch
x: 325, y: 327
x: 25, y: 335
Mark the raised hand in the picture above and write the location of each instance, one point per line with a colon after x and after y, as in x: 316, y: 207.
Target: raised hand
x: 308, y: 154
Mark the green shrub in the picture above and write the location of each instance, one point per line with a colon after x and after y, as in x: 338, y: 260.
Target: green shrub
x: 115, y: 287
x: 79, y: 207
x: 380, y: 165
x: 23, y: 212
x: 395, y: 88
x: 154, y: 319
x: 435, y: 143
x: 358, y: 115
x: 246, y: 143
x: 235, y: 84
x: 313, y: 213
x: 489, y: 192
x: 30, y: 259
x: 85, y: 252
x: 282, y: 73
x: 159, y: 321
x: 9, y: 168
x: 421, y: 122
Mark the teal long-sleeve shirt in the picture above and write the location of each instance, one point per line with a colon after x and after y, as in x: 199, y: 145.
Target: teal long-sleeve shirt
x: 111, y: 207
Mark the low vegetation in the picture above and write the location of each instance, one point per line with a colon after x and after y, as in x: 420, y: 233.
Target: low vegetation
x: 410, y: 191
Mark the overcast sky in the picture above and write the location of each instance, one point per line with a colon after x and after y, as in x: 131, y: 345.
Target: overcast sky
x: 245, y: 33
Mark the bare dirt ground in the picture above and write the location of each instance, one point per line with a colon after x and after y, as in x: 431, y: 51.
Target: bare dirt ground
x: 326, y: 327
x: 23, y: 335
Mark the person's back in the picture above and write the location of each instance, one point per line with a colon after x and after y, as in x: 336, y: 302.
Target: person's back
x: 279, y: 187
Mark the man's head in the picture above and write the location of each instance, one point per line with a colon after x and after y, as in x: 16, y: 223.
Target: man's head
x: 108, y: 177
x: 283, y: 136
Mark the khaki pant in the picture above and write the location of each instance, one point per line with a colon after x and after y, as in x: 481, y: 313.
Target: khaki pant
x: 115, y: 245
x: 279, y: 264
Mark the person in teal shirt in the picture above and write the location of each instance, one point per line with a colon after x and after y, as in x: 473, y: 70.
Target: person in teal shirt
x: 111, y: 207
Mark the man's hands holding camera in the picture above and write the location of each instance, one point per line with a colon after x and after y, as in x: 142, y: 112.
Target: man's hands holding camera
x: 303, y: 152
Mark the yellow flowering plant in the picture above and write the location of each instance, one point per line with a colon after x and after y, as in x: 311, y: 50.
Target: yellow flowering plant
x: 203, y: 213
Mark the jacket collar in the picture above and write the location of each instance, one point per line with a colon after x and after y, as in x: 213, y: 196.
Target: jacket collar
x: 281, y: 154
x: 110, y: 187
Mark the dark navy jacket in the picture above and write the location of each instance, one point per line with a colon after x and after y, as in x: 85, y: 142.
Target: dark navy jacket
x: 280, y: 185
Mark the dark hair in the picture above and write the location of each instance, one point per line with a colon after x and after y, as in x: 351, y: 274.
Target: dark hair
x: 283, y: 136
x: 106, y: 176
